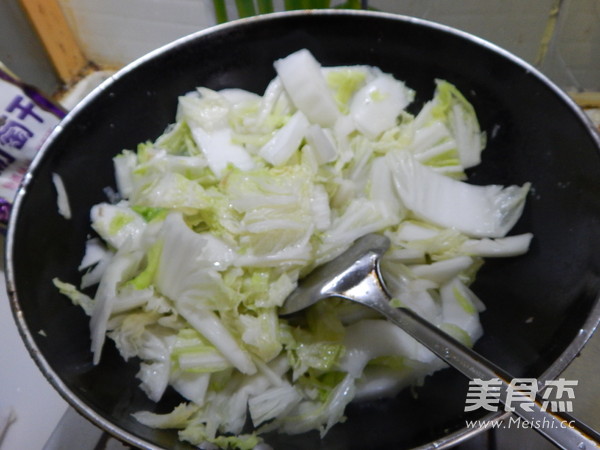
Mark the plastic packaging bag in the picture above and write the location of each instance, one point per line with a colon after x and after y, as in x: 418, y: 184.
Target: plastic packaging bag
x: 26, y: 120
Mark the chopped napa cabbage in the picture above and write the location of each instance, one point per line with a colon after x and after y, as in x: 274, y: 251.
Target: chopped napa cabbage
x: 446, y: 133
x: 144, y: 279
x: 193, y: 353
x: 194, y: 281
x: 240, y: 98
x: 260, y: 333
x: 385, y: 377
x: 361, y: 217
x: 205, y: 109
x: 434, y: 146
x: 241, y: 442
x: 309, y: 415
x: 215, y: 222
x: 62, y: 198
x: 275, y: 402
x: 460, y: 310
x: 124, y: 165
x: 95, y: 252
x: 460, y: 116
x: 207, y: 115
x: 191, y: 385
x: 175, y: 419
x: 77, y: 297
x: 321, y: 347
x: 370, y: 339
x: 377, y: 105
x: 154, y: 378
x: 382, y: 191
x: 506, y: 246
x: 221, y: 151
x: 280, y: 148
x: 178, y: 140
x: 95, y: 260
x: 479, y: 211
x: 344, y: 81
x: 304, y: 82
x: 120, y: 269
x: 130, y: 298
x: 277, y: 215
x: 210, y: 325
x: 116, y: 224
x: 322, y: 142
x: 442, y: 271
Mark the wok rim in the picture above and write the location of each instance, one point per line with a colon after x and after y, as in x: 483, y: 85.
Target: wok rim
x: 559, y: 365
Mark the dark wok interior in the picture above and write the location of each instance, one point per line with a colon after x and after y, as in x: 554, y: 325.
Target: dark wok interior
x: 536, y: 303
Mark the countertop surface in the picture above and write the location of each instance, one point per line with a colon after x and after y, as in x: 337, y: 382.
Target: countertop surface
x: 34, y: 405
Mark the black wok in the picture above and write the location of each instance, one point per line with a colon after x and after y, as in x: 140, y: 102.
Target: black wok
x: 541, y: 307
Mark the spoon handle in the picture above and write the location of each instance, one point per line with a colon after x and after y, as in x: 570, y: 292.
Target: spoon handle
x: 563, y: 430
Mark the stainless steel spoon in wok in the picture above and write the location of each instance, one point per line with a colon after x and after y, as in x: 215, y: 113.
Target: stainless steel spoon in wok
x: 355, y: 276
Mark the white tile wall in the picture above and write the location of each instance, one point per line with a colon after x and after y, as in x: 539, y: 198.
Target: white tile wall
x: 515, y: 25
x: 573, y: 59
x: 114, y: 32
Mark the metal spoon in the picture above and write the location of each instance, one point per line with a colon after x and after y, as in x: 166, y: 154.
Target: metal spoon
x: 355, y: 276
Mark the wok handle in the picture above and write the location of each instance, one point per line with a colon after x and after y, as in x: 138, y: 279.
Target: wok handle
x: 561, y: 429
